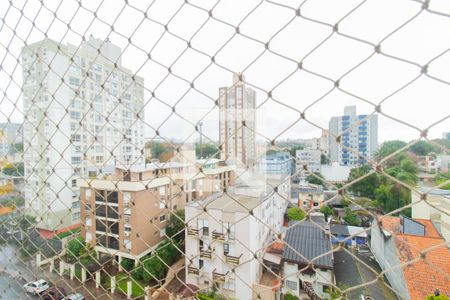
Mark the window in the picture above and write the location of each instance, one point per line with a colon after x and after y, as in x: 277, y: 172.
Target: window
x: 203, y: 224
x: 74, y: 80
x: 76, y: 160
x: 162, y: 218
x: 292, y: 285
x: 75, y: 114
x: 229, y: 285
x: 76, y: 215
x: 226, y: 249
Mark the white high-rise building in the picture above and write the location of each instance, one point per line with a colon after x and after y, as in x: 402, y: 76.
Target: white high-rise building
x: 82, y: 110
x: 358, y: 137
x: 237, y: 123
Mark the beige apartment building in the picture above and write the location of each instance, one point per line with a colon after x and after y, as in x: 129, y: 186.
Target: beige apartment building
x: 237, y: 119
x: 126, y: 213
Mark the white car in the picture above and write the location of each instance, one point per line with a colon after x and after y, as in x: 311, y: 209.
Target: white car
x: 36, y: 287
x: 76, y: 296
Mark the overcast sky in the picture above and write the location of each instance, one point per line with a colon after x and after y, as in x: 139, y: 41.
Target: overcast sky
x: 292, y: 39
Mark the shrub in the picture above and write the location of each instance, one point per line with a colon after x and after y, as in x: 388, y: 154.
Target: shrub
x: 127, y: 264
x: 295, y: 213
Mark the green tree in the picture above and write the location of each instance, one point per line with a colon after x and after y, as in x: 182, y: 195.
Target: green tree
x: 15, y: 169
x: 392, y: 194
x: 295, y: 214
x: 441, y: 178
x: 16, y: 148
x: 127, y: 264
x: 154, y: 269
x: 444, y: 143
x: 75, y: 248
x: 327, y: 211
x: 423, y: 148
x: 159, y: 148
x: 18, y: 201
x: 351, y: 218
x: 25, y: 222
x: 175, y: 228
x: 389, y: 147
x: 154, y: 266
x: 206, y: 151
x: 314, y: 180
x: 365, y: 187
x: 324, y: 160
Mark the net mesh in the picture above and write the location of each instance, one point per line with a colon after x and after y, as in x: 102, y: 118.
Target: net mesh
x: 167, y: 158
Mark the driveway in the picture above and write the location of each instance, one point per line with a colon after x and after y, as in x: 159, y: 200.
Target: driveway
x: 349, y: 273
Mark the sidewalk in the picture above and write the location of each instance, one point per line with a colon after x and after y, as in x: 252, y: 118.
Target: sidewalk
x: 88, y: 288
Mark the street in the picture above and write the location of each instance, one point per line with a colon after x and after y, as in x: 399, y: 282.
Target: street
x: 15, y: 272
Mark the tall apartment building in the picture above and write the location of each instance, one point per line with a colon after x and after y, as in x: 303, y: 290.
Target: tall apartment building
x: 82, y: 109
x: 125, y: 214
x: 358, y: 137
x: 225, y: 244
x: 237, y: 118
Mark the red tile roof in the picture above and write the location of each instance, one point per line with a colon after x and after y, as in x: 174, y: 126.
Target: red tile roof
x: 424, y: 274
x: 428, y: 273
x: 6, y: 210
x: 48, y: 234
x: 275, y: 247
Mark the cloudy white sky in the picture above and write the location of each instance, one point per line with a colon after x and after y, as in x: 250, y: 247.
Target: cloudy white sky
x: 309, y: 38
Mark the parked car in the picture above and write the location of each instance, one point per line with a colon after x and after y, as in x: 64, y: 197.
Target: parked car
x: 54, y: 293
x: 76, y: 296
x: 36, y: 287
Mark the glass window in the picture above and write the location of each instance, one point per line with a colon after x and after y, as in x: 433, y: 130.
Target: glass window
x: 292, y: 285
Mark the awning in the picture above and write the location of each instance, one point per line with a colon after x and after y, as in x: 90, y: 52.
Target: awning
x: 276, y: 259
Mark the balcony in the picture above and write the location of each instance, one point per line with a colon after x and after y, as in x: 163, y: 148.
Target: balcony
x: 217, y: 236
x: 218, y: 277
x: 193, y: 271
x: 233, y: 260
x: 206, y: 253
x: 192, y: 231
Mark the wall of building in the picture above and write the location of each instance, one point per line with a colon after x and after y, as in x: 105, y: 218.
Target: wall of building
x: 320, y: 279
x: 385, y: 253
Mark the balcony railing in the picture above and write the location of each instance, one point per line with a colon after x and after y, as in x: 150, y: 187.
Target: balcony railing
x: 192, y: 232
x: 233, y: 260
x: 206, y: 253
x: 218, y: 236
x: 219, y: 277
x: 193, y: 270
